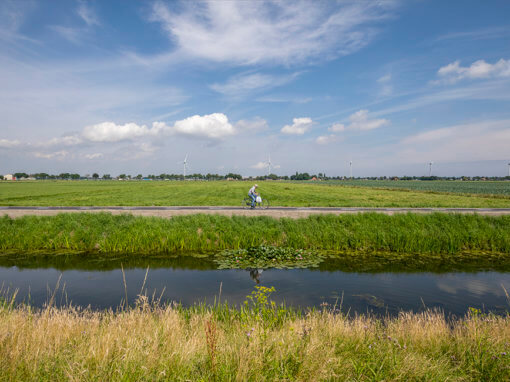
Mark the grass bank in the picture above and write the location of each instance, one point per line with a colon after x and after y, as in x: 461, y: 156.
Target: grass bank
x: 223, y: 193
x: 259, y: 342
x: 369, y: 232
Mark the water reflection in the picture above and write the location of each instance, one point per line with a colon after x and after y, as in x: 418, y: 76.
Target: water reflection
x: 99, y: 283
x: 255, y: 274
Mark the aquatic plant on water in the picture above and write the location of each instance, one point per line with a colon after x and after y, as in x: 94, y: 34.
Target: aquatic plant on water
x: 268, y: 257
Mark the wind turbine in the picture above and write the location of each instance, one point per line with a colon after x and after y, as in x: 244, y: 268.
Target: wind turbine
x: 508, y: 168
x: 430, y: 168
x: 350, y: 169
x: 269, y: 165
x: 185, y: 165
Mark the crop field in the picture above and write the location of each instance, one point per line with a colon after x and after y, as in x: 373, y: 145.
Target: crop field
x: 224, y: 193
x: 452, y: 186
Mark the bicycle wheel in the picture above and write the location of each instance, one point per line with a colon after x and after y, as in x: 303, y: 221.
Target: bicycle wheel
x: 264, y: 205
x: 246, y: 203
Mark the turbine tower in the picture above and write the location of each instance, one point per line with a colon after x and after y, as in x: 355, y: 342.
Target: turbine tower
x: 269, y: 165
x: 350, y: 169
x: 185, y: 165
x: 508, y: 168
x: 430, y: 168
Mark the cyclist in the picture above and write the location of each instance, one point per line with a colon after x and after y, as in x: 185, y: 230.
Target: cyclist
x: 253, y: 195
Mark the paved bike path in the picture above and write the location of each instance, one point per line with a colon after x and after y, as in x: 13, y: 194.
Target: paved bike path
x: 292, y: 212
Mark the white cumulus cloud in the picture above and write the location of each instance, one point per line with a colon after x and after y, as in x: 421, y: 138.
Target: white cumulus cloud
x: 360, y: 121
x: 93, y: 156
x: 298, y: 127
x: 54, y: 155
x: 325, y: 139
x: 142, y: 138
x: 213, y: 126
x: 68, y: 140
x: 111, y: 132
x: 256, y: 124
x: 259, y: 165
x: 454, y: 72
x: 7, y: 143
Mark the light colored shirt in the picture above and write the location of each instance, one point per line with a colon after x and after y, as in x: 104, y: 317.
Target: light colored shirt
x: 252, y: 191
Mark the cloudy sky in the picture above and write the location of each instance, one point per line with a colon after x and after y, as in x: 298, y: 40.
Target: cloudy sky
x: 135, y: 86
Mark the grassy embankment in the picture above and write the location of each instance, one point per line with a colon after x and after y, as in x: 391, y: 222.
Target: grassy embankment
x: 258, y: 342
x: 431, y: 235
x: 174, y: 193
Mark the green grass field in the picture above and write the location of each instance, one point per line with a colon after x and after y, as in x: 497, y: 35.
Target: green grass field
x: 223, y: 193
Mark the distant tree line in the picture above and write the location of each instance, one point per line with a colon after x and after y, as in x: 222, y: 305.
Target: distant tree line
x: 232, y: 176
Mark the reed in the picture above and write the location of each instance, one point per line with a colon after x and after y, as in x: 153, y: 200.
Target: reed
x: 257, y: 342
x: 433, y: 234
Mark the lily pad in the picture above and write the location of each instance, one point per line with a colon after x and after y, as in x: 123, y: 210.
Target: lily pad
x: 267, y: 257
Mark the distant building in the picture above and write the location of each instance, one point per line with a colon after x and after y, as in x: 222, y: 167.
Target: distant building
x: 9, y: 177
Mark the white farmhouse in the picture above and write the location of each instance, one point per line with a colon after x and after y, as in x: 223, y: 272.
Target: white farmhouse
x: 9, y: 177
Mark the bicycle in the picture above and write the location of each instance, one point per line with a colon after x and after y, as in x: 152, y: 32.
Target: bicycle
x: 264, y: 204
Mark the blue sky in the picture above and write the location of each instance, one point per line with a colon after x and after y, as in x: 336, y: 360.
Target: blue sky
x: 134, y: 87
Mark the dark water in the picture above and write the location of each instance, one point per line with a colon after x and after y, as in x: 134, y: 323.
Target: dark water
x: 190, y: 280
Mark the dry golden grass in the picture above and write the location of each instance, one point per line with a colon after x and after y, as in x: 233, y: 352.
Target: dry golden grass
x: 217, y: 343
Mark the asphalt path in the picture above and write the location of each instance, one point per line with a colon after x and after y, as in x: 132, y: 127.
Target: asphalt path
x: 292, y: 212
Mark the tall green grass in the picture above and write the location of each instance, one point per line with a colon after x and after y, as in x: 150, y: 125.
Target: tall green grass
x: 258, y: 342
x: 401, y: 233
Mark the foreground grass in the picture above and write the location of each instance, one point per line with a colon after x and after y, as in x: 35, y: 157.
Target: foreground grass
x: 370, y: 232
x: 259, y: 342
x: 173, y: 193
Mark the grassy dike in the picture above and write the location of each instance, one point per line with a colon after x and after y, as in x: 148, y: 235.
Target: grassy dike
x: 368, y: 232
x: 259, y: 342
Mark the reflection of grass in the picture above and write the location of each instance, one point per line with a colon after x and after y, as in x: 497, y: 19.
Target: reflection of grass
x: 374, y: 262
x: 113, y: 234
x: 108, y: 193
x: 259, y: 341
x: 101, y: 262
x: 371, y: 300
x: 330, y: 262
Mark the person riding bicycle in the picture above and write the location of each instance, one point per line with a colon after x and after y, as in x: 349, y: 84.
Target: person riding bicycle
x: 253, y: 195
